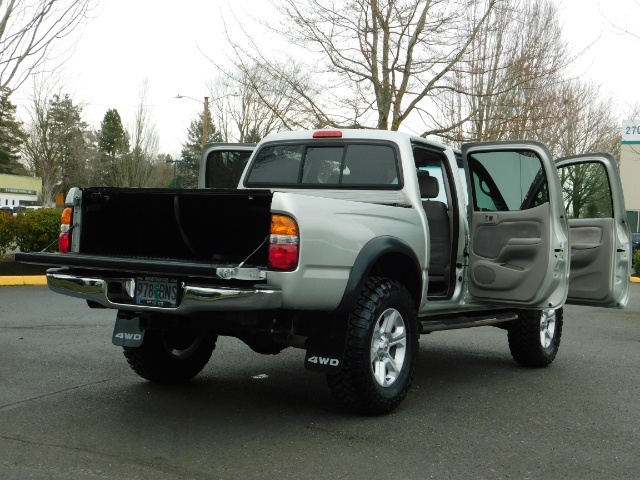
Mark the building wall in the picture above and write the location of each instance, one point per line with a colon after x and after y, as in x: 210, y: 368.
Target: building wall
x: 630, y: 170
x: 630, y: 175
x: 17, y: 190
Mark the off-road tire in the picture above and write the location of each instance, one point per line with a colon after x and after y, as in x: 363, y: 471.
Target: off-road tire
x: 171, y: 355
x: 533, y: 340
x: 355, y: 386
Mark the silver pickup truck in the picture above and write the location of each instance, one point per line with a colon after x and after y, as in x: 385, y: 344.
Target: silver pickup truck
x: 349, y: 244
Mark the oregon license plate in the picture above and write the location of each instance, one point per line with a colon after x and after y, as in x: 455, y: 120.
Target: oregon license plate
x: 157, y: 291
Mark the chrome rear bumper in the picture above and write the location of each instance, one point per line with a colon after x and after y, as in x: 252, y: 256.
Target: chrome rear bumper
x: 116, y: 293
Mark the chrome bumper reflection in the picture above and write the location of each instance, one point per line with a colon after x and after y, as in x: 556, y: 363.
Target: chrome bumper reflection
x: 116, y: 292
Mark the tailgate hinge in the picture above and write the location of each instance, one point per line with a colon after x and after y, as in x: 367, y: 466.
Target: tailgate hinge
x: 238, y: 273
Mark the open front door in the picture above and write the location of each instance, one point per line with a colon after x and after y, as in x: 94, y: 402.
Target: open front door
x: 598, y: 230
x: 518, y: 230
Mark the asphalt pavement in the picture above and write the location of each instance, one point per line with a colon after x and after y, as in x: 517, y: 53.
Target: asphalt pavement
x: 70, y: 407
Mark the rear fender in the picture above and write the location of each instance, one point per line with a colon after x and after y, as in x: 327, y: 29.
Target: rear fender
x: 384, y: 256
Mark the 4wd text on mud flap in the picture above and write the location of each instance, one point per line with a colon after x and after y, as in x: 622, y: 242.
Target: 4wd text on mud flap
x: 334, y: 362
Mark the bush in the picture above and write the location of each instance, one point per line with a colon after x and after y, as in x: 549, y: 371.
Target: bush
x: 636, y: 262
x: 7, y: 232
x: 37, y: 230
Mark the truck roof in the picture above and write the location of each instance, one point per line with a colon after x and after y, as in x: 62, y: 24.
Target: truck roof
x: 351, y: 133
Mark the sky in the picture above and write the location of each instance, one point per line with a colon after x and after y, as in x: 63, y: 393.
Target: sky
x: 167, y: 44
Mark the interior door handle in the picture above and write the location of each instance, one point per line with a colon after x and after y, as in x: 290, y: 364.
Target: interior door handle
x: 490, y: 218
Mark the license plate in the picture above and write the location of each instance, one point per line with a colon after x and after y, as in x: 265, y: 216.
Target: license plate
x: 156, y: 291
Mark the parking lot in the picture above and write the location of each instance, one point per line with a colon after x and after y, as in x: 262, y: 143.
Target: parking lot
x: 70, y: 407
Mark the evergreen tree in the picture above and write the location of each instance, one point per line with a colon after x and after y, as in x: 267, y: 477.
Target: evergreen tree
x: 189, y: 163
x: 69, y: 136
x: 11, y: 136
x: 253, y: 136
x: 112, y: 138
x: 113, y: 144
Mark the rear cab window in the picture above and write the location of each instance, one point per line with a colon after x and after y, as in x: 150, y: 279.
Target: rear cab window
x: 318, y: 164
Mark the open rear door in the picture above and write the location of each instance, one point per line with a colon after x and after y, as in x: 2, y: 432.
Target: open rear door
x: 598, y: 230
x: 518, y: 230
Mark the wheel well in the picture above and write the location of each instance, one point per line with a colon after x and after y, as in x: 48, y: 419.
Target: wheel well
x: 383, y: 256
x: 398, y: 266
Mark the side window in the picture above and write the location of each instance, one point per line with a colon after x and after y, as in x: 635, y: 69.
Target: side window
x: 431, y: 162
x: 507, y: 181
x: 586, y: 191
x: 370, y: 165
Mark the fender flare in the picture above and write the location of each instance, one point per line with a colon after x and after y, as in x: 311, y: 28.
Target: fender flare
x: 371, y: 252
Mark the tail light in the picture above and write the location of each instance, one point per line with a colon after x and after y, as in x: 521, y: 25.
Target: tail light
x: 64, y: 240
x: 284, y: 242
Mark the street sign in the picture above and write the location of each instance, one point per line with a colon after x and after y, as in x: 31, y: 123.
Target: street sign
x: 630, y: 131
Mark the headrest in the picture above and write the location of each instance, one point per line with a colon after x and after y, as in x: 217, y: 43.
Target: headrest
x: 428, y: 185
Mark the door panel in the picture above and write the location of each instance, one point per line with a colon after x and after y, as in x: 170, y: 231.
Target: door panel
x: 591, y: 247
x: 506, y: 252
x: 599, y: 234
x: 518, y: 233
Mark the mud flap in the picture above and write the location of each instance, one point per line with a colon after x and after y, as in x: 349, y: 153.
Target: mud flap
x: 127, y: 332
x: 326, y: 351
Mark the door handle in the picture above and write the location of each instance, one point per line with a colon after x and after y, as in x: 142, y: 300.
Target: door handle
x: 490, y: 218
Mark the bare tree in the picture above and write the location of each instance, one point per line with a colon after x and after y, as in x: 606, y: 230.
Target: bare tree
x: 379, y: 61
x: 584, y: 121
x: 508, y: 81
x: 41, y: 157
x: 580, y: 121
x: 144, y: 139
x: 620, y: 26
x: 135, y: 169
x: 255, y: 100
x: 29, y: 31
x: 58, y: 147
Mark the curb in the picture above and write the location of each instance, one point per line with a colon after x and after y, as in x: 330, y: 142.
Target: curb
x: 23, y: 280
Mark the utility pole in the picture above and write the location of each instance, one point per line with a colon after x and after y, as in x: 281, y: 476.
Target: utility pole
x: 205, y: 122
